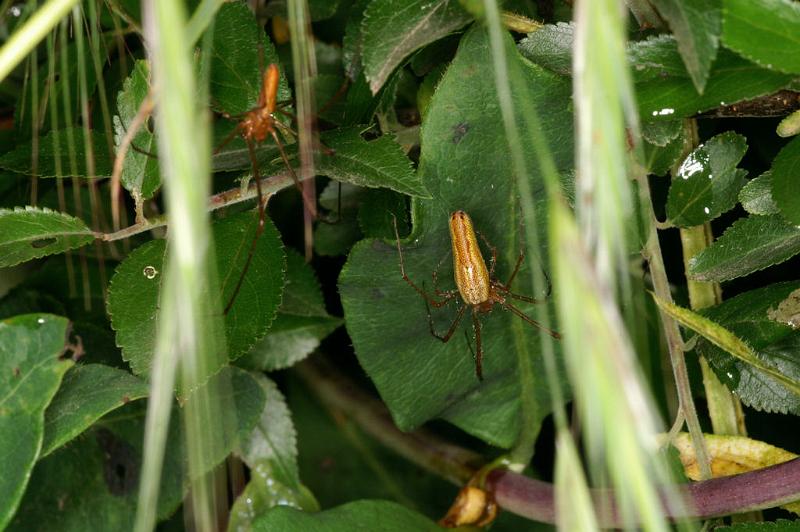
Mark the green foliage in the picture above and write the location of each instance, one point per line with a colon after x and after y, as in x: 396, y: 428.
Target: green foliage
x: 749, y: 245
x: 31, y: 368
x: 134, y: 290
x: 756, y: 316
x: 707, y: 182
x: 411, y: 128
x: 696, y: 26
x: 414, y: 24
x: 301, y: 324
x: 756, y: 195
x: 763, y: 31
x: 56, y: 151
x: 87, y: 393
x: 357, y: 515
x: 464, y: 166
x: 140, y: 175
x: 31, y: 233
x: 785, y: 169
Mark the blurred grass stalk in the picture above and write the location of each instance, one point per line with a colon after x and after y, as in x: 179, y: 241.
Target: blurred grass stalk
x: 190, y: 317
x: 590, y: 264
x: 31, y: 34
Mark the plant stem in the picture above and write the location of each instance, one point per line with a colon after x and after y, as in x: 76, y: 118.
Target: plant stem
x: 724, y: 408
x: 672, y: 332
x: 270, y: 185
x: 531, y: 498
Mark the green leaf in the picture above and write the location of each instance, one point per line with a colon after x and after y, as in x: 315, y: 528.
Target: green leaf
x: 786, y: 180
x: 87, y: 393
x: 140, y: 174
x: 696, y: 25
x: 465, y: 165
x: 332, y: 240
x: 94, y: 484
x: 31, y: 368
x: 31, y: 233
x: 267, y: 489
x: 763, y: 318
x: 764, y: 31
x: 659, y: 160
x: 707, y: 182
x: 240, y: 52
x: 19, y: 160
x: 301, y: 324
x: 378, y: 210
x: 270, y: 451
x: 749, y: 245
x: 134, y: 290
x: 273, y: 438
x: 726, y: 340
x: 358, y: 515
x: 376, y: 163
x: 664, y: 89
x: 756, y: 195
x: 550, y: 47
x: 392, y: 29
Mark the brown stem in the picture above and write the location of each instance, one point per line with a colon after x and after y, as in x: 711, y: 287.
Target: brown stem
x: 528, y: 497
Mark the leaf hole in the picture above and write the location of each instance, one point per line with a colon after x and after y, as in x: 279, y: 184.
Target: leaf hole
x: 43, y: 242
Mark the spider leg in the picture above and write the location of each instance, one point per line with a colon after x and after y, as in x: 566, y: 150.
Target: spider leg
x: 492, y: 250
x: 449, y: 334
x: 517, y: 312
x: 476, y: 326
x: 428, y: 298
x: 259, y: 227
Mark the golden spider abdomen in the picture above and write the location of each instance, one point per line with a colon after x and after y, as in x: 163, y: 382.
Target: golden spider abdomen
x: 469, y: 268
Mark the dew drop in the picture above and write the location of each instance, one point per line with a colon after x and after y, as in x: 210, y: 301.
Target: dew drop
x: 40, y: 321
x: 706, y: 210
x: 150, y: 272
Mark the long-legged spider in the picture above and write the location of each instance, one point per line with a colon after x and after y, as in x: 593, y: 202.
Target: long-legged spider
x: 478, y: 287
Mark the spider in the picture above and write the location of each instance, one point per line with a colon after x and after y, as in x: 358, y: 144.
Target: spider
x: 478, y: 287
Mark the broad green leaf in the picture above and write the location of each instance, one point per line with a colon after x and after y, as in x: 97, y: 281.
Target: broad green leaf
x: 749, y: 245
x: 301, y: 324
x: 19, y: 160
x: 270, y: 451
x: 375, y: 163
x: 392, y: 29
x: 31, y: 233
x: 140, y: 174
x: 696, y: 25
x: 707, y: 182
x: 267, y: 489
x: 31, y: 369
x: 762, y: 318
x: 662, y: 133
x: 358, y: 515
x: 786, y: 181
x: 240, y: 53
x: 664, y: 143
x: 664, y: 89
x: 756, y: 195
x: 789, y: 126
x: 273, y: 438
x: 134, y: 289
x: 465, y: 165
x: 87, y: 393
x: 764, y: 31
x: 332, y: 240
x: 663, y: 93
x: 777, y: 375
x: 94, y: 483
x: 550, y: 47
